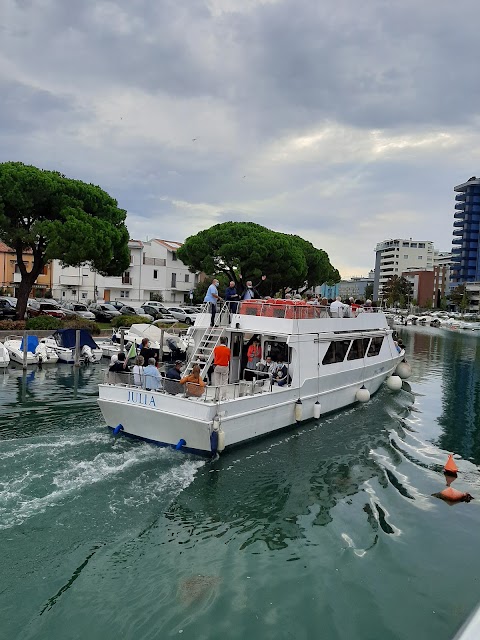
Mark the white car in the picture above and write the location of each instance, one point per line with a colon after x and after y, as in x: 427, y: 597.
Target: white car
x: 183, y: 314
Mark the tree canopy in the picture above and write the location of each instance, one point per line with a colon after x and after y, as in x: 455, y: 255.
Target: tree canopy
x: 56, y: 217
x: 245, y: 250
x: 397, y: 289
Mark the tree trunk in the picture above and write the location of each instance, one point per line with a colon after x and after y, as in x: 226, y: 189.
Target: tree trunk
x: 28, y: 280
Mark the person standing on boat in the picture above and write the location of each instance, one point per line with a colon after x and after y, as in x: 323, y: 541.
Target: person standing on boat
x: 146, y: 351
x: 152, y: 378
x: 138, y: 371
x: 221, y: 362
x: 254, y: 355
x: 232, y: 297
x: 212, y: 297
x: 251, y: 292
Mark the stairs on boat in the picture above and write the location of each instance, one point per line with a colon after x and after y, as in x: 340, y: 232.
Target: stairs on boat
x: 203, y: 354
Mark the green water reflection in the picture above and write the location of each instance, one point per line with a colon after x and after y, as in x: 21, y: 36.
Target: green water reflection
x: 329, y: 530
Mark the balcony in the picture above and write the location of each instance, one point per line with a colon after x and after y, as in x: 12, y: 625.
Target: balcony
x: 460, y: 197
x: 126, y: 280
x: 460, y: 206
x: 458, y: 223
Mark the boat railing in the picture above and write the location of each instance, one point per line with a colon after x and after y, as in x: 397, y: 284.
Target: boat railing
x: 261, y: 383
x: 287, y: 309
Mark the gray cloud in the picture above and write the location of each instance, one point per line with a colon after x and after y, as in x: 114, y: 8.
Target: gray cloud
x: 345, y: 123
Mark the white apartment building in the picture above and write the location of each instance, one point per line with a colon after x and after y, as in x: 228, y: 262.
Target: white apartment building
x: 154, y: 269
x: 393, y: 257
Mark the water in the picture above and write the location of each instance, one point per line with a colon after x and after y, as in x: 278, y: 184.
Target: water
x: 325, y: 531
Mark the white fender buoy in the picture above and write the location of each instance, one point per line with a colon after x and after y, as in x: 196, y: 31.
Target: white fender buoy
x: 394, y: 383
x: 317, y: 409
x: 363, y: 394
x: 221, y: 440
x: 403, y: 370
x: 298, y: 410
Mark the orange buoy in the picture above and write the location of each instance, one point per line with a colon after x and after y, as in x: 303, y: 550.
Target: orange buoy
x: 453, y: 495
x: 450, y: 466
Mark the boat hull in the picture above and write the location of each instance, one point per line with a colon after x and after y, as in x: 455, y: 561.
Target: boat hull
x: 165, y: 420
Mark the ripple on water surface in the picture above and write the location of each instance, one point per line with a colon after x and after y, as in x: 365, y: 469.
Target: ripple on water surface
x: 331, y: 526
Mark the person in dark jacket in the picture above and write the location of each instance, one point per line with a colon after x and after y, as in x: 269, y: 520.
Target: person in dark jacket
x: 174, y: 373
x: 120, y: 366
x: 232, y: 297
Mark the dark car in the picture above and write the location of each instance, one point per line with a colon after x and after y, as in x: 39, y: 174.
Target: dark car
x: 117, y: 304
x: 40, y: 308
x: 126, y: 310
x: 152, y: 311
x: 104, y: 312
x: 7, y: 309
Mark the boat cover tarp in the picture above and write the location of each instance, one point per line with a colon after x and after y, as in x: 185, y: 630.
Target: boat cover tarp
x: 66, y: 338
x: 32, y: 344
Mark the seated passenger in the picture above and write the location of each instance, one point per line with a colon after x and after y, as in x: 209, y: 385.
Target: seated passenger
x: 281, y: 374
x: 367, y: 307
x: 267, y: 366
x: 195, y: 384
x: 152, y: 377
x: 174, y: 372
x: 120, y: 366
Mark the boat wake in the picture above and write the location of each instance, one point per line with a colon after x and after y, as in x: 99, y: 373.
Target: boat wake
x: 46, y: 472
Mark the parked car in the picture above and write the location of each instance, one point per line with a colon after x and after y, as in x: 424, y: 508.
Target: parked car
x: 104, y: 312
x: 7, y: 309
x: 135, y: 311
x: 117, y: 304
x: 157, y: 305
x: 183, y: 314
x: 79, y: 309
x: 165, y: 317
x: 41, y: 308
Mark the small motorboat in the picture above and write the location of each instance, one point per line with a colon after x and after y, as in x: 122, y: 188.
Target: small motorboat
x: 173, y: 346
x: 4, y: 357
x: 37, y: 353
x: 63, y: 342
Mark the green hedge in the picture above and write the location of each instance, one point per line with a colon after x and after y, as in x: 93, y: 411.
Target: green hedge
x: 47, y: 323
x: 127, y: 321
x: 43, y: 323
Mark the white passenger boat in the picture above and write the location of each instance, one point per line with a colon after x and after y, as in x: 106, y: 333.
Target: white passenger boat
x: 4, y: 357
x: 331, y: 362
x: 63, y: 342
x: 37, y: 353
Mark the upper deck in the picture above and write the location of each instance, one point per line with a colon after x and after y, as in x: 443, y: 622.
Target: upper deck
x: 291, y: 317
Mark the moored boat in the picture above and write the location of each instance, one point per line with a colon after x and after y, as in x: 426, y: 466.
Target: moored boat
x: 330, y: 363
x: 4, y: 357
x: 63, y: 342
x: 37, y: 353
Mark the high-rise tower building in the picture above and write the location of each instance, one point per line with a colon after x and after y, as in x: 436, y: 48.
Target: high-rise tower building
x: 466, y: 232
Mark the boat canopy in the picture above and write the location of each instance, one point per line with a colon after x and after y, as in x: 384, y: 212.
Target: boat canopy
x: 32, y: 344
x: 66, y: 338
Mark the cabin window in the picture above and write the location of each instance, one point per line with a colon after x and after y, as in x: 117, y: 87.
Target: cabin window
x: 375, y: 346
x: 358, y: 349
x: 336, y: 352
x: 277, y: 350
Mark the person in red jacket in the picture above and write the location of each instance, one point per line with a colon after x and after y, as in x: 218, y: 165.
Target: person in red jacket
x: 221, y: 362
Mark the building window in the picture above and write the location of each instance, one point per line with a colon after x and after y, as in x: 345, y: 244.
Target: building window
x: 155, y: 274
x: 420, y: 257
x: 63, y: 294
x: 84, y: 295
x: 174, y: 255
x: 421, y: 245
x: 124, y: 294
x: 405, y: 257
x: 414, y: 245
x: 174, y: 280
x: 187, y: 278
x: 405, y: 244
x: 126, y: 278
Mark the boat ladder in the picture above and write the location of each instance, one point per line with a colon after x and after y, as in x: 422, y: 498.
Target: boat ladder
x: 203, y: 354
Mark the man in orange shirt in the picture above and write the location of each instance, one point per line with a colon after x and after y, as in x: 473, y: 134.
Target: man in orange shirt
x: 221, y: 360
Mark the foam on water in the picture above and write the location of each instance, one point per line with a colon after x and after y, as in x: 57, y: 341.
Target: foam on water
x: 66, y: 466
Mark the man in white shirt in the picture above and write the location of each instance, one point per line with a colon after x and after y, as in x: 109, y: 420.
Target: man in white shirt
x: 337, y: 308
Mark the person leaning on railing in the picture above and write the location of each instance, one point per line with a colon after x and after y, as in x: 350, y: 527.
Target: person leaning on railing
x: 120, y: 366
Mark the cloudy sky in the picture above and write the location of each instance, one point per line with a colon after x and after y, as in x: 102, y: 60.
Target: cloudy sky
x: 342, y: 121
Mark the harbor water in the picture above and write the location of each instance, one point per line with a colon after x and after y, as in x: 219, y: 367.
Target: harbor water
x: 328, y: 530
